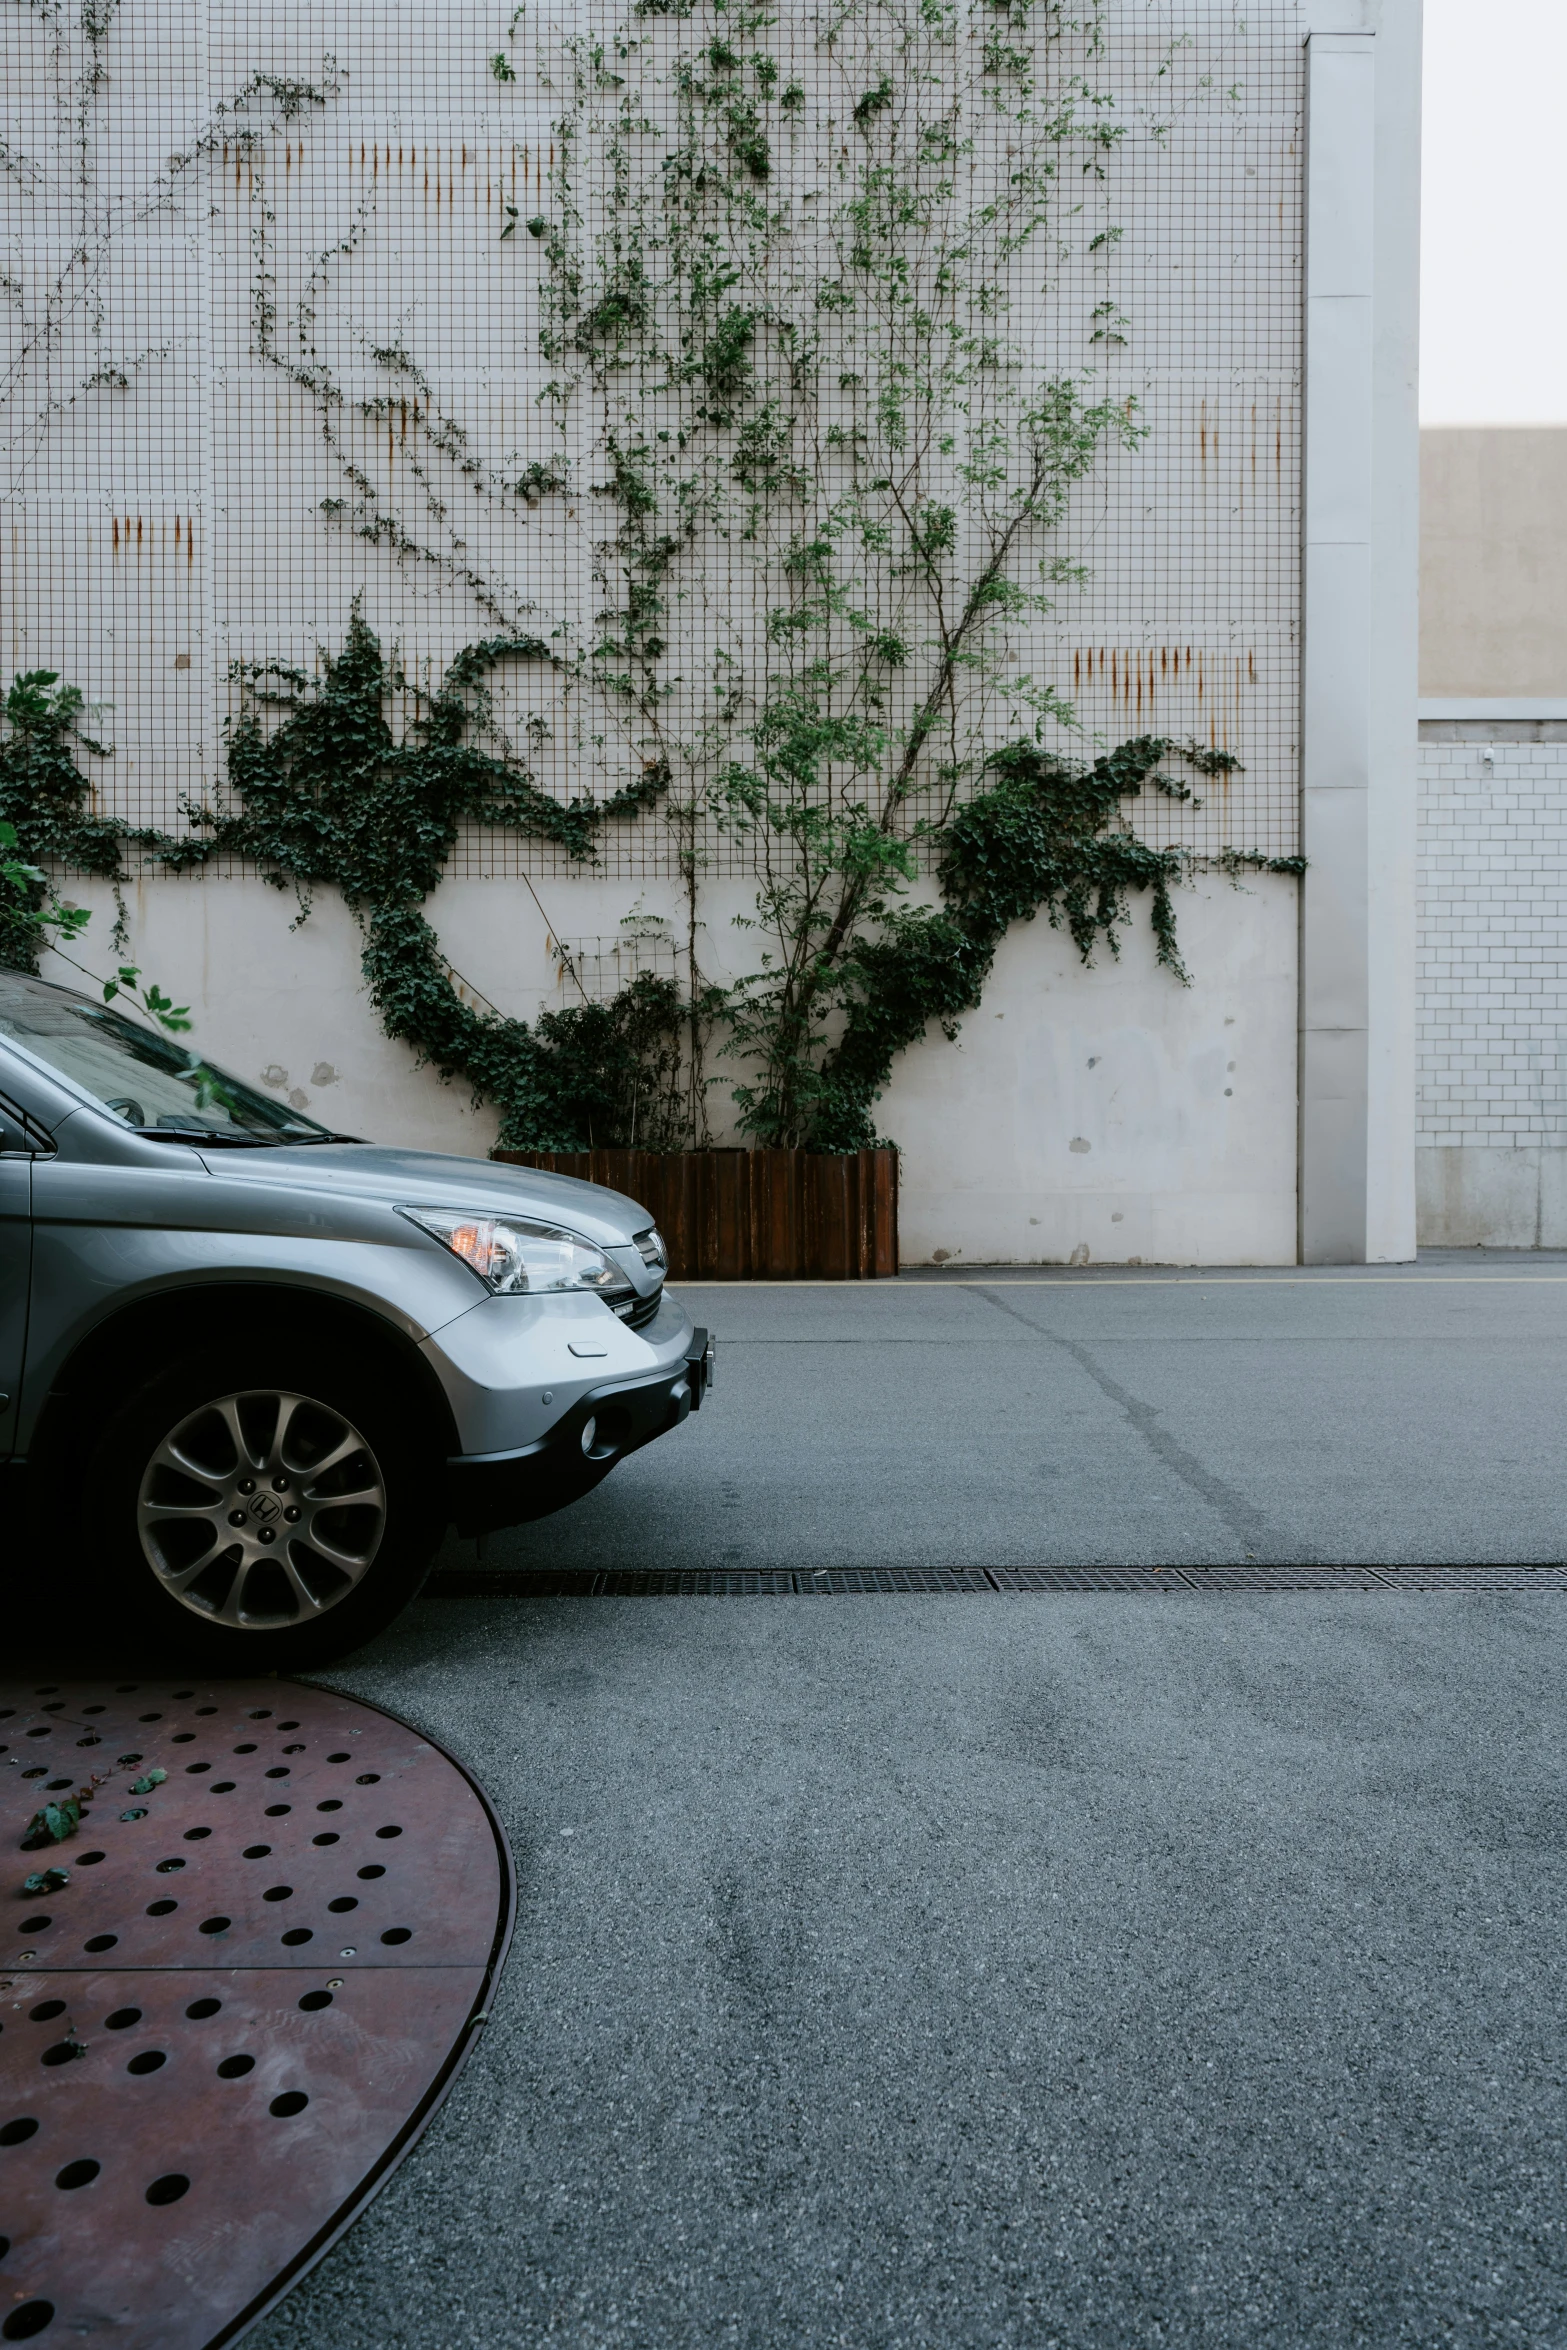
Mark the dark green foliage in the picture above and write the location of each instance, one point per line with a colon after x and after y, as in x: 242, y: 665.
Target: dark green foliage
x: 1045, y: 835
x: 330, y: 795
x: 46, y: 798
x: 53, y: 1824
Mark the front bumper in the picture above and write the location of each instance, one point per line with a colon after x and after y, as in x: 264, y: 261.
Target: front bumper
x: 486, y: 1491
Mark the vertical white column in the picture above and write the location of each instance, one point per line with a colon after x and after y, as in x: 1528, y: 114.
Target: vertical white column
x: 1395, y: 645
x: 1336, y: 664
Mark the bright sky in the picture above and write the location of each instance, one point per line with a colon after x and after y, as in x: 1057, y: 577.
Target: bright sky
x: 1493, y: 344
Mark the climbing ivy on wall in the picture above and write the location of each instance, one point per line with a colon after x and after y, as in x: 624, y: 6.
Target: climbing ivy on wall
x: 328, y: 795
x: 825, y: 471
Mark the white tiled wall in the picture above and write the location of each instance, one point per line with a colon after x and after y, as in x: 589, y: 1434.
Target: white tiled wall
x: 1492, y: 991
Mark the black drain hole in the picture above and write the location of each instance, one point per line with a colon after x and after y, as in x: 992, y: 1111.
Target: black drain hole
x: 234, y: 2068
x: 30, y: 2319
x: 183, y: 1738
x: 78, y: 2174
x: 194, y: 1835
x: 248, y: 1748
x: 47, y: 2008
x: 100, y: 1941
x: 35, y: 1925
x: 14, y: 2133
x: 374, y: 1870
x: 198, y: 1766
x: 127, y: 1758
x: 331, y: 1804
x: 165, y: 1866
x: 122, y: 2019
x: 291, y: 2101
x: 275, y: 1811
x: 215, y: 1925
x: 331, y: 1837
x: 257, y: 1851
x: 297, y: 1934
x: 86, y: 1860
x: 343, y: 1901
x: 169, y: 2188
x: 315, y: 1999
x: 398, y: 1934
x: 151, y: 2060
x: 62, y: 2052
x: 339, y: 1758
x: 278, y: 1771
x: 368, y: 1779
x: 278, y: 1893
x: 389, y: 1831
x: 259, y: 1713
x: 223, y: 1787
x: 161, y: 1909
x: 200, y: 2008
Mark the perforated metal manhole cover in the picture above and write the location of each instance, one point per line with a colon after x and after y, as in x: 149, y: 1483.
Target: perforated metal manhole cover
x: 220, y: 2033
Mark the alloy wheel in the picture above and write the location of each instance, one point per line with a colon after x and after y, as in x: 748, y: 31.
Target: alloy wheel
x: 261, y: 1509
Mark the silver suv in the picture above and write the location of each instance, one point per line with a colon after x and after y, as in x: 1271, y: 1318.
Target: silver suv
x: 250, y: 1370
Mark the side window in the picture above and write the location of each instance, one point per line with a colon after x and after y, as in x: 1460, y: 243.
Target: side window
x: 14, y: 1137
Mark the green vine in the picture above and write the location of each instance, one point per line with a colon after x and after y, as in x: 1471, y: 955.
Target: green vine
x: 45, y: 804
x: 823, y: 480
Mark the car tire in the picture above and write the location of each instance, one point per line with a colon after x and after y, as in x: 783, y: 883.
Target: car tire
x: 261, y: 1509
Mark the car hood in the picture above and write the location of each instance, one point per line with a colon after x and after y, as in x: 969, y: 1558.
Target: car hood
x: 429, y: 1179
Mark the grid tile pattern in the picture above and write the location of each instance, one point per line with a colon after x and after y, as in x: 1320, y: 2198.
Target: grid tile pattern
x: 266, y: 354
x: 1493, y: 944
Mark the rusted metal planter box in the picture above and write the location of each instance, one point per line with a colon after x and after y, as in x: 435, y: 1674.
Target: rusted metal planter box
x: 743, y: 1215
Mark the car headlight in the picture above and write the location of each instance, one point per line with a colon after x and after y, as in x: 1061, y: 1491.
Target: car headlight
x: 514, y: 1259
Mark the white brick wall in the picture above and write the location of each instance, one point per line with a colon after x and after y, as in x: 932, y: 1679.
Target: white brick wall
x: 1493, y: 945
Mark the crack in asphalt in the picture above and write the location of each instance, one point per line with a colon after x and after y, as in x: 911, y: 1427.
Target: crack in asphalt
x: 1243, y: 1519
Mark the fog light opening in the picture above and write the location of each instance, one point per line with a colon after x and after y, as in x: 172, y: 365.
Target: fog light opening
x: 606, y: 1433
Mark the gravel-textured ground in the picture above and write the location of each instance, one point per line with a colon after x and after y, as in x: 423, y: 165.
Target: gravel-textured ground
x: 1080, y: 1971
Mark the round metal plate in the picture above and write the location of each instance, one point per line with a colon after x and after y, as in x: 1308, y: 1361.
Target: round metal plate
x: 220, y: 2034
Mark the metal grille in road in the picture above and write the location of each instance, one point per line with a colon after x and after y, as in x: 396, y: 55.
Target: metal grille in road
x: 280, y: 1916
x: 826, y: 1582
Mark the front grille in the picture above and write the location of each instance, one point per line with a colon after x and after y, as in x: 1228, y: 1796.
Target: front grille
x: 637, y: 1312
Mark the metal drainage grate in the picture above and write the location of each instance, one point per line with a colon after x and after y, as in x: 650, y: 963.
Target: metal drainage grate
x: 221, y: 2033
x: 825, y: 1582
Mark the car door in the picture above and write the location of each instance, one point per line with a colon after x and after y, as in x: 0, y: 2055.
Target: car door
x: 16, y: 1255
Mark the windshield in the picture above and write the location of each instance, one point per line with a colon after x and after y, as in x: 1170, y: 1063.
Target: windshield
x: 148, y: 1080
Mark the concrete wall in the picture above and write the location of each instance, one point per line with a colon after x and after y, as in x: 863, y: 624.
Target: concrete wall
x: 1493, y: 561
x: 1081, y: 1116
x: 1491, y: 1157
x: 178, y: 510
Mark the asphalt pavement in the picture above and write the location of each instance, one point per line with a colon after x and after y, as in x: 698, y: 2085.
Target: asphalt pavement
x: 1065, y: 1972
x: 1399, y: 1414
